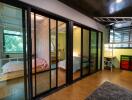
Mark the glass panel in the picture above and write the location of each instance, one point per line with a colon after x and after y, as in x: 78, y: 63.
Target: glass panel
x: 85, y: 62
x: 53, y: 52
x: 53, y: 78
x: 125, y: 36
x: 11, y: 63
x: 99, y: 51
x: 53, y: 43
x: 61, y: 53
x: 42, y: 55
x: 33, y: 51
x: 117, y: 36
x: 43, y: 82
x: 93, y: 54
x: 121, y: 36
x: 76, y: 51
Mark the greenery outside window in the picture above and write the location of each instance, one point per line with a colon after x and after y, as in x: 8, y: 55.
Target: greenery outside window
x: 13, y: 42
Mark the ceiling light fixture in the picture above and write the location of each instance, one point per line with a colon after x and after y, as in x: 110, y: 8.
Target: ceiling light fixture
x: 74, y: 26
x: 118, y: 1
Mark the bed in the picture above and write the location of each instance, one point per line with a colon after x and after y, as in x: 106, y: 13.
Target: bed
x: 15, y: 68
x: 76, y: 63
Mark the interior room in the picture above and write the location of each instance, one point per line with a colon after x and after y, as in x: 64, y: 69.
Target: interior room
x: 65, y: 50
x: 119, y: 44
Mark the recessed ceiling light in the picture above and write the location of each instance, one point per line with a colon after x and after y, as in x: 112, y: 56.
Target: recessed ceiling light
x: 74, y: 26
x: 118, y: 1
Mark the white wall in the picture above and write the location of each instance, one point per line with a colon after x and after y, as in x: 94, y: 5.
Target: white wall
x: 59, y: 8
x: 42, y: 40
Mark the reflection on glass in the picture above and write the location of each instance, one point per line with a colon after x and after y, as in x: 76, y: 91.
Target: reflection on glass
x: 76, y: 51
x: 85, y: 60
x: 93, y: 54
x: 42, y: 54
x: 11, y: 53
x: 33, y: 50
x: 53, y: 51
x: 53, y: 43
x: 53, y: 78
x: 61, y: 53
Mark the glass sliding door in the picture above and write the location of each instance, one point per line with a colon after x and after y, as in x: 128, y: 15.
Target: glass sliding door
x: 48, y: 53
x: 58, y: 52
x: 61, y: 53
x: 12, y: 51
x: 40, y: 53
x: 76, y: 52
x: 85, y: 53
x: 93, y: 52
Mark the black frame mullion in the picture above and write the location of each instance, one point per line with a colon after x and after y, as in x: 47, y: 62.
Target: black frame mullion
x: 24, y: 51
x: 56, y: 53
x: 50, y: 50
x: 29, y: 44
x: 69, y: 41
x: 101, y: 50
x: 35, y: 51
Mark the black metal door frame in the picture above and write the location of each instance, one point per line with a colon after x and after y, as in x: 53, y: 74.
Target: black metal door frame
x: 97, y: 33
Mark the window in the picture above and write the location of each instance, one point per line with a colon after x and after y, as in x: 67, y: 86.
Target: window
x: 121, y: 38
x: 13, y: 42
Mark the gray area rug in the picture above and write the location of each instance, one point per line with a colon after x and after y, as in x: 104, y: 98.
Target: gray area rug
x: 110, y: 91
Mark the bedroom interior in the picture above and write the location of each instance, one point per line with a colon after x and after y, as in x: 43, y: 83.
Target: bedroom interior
x: 64, y: 49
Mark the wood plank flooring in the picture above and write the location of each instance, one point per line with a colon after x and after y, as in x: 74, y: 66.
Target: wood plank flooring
x: 81, y: 89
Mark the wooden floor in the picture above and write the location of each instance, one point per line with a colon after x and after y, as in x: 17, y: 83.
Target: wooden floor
x: 81, y: 89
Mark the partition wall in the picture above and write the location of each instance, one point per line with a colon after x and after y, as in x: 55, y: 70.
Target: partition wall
x: 42, y: 52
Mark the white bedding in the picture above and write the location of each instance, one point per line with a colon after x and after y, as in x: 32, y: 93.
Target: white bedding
x: 12, y: 66
x: 76, y: 64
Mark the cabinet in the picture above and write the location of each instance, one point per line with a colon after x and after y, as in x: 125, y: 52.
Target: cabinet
x: 126, y: 62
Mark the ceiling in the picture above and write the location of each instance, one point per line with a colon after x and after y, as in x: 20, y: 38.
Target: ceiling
x: 101, y: 8
x: 105, y: 12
